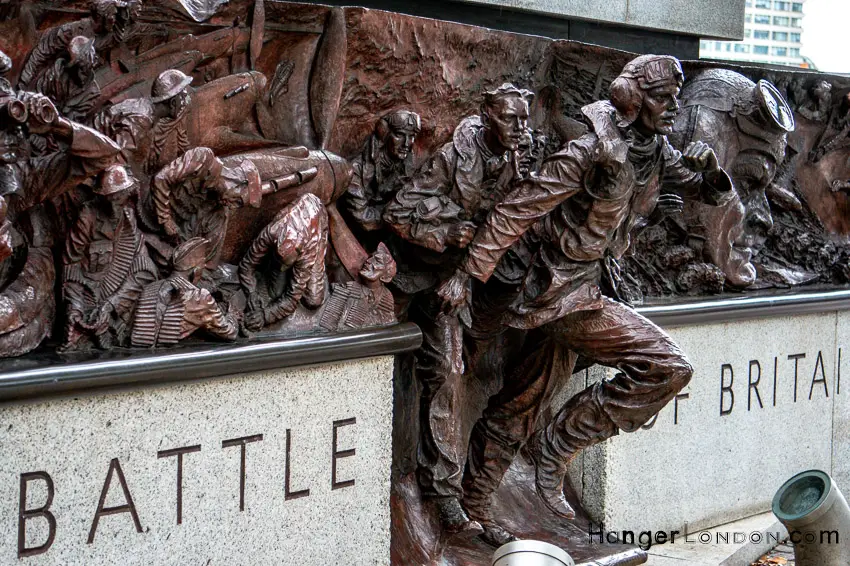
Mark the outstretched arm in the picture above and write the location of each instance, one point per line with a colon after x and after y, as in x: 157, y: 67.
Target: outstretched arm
x: 560, y: 177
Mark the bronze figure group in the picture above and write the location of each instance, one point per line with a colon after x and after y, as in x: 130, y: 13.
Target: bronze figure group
x: 204, y: 184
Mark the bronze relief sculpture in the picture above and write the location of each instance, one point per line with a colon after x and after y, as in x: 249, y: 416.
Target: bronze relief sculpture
x: 439, y: 209
x: 578, y: 214
x: 105, y: 266
x: 221, y: 170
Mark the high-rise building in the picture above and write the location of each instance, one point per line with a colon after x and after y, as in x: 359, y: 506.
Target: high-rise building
x: 772, y: 34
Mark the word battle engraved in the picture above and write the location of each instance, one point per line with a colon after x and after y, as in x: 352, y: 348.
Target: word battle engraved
x: 116, y: 479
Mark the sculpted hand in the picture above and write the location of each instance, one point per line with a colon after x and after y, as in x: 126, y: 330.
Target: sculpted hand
x: 254, y: 320
x: 170, y: 228
x: 42, y: 114
x: 454, y: 292
x: 700, y: 158
x: 460, y: 234
x: 254, y: 303
x: 74, y: 318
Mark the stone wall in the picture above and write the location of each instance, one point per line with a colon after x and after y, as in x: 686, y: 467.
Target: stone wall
x: 766, y: 402
x: 310, y: 486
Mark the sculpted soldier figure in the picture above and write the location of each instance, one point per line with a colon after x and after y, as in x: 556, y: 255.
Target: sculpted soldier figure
x: 747, y: 125
x: 439, y: 210
x: 70, y: 82
x: 383, y: 166
x: 295, y: 242
x: 171, y: 310
x: 193, y: 195
x: 107, y: 25
x: 152, y: 132
x: 818, y: 106
x: 576, y: 217
x: 106, y: 266
x: 364, y: 303
x: 29, y: 180
x: 169, y: 138
x: 27, y: 275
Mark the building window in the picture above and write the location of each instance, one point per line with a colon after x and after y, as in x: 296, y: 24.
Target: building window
x: 748, y: 33
x: 795, y: 23
x: 784, y: 6
x: 760, y: 49
x: 762, y: 19
x: 797, y: 7
x: 780, y: 36
x: 780, y: 51
x: 781, y: 21
x: 761, y: 34
x: 795, y: 37
x: 794, y: 52
x: 763, y: 4
x: 749, y: 3
x: 704, y: 46
x: 742, y: 48
x: 748, y: 18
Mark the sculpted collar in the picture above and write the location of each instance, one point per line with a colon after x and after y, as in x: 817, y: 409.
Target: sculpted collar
x: 490, y: 158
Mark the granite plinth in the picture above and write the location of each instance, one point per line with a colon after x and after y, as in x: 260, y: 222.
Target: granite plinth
x: 765, y: 403
x: 276, y: 467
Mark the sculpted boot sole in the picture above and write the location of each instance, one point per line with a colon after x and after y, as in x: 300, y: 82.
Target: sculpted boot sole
x: 491, y: 532
x: 549, y: 481
x: 454, y: 520
x: 496, y: 536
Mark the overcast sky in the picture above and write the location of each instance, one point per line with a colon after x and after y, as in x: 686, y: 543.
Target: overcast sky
x: 826, y: 30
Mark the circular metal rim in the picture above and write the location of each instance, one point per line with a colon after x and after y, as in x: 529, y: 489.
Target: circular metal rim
x: 535, y: 546
x: 777, y: 510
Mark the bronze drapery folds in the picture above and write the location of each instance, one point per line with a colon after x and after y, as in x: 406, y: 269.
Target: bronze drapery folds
x: 207, y: 170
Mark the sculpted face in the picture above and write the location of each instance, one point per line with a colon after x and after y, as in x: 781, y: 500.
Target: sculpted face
x: 179, y: 102
x: 749, y: 148
x: 121, y: 198
x: 399, y: 144
x: 13, y: 145
x: 752, y: 173
x: 659, y: 110
x: 507, y: 121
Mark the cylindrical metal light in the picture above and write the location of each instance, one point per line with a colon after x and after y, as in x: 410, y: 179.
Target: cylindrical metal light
x: 817, y: 517
x: 531, y: 553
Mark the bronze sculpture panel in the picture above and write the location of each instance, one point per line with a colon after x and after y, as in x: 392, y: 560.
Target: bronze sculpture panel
x: 214, y: 170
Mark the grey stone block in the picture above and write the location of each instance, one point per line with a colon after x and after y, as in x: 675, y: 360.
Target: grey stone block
x: 74, y: 440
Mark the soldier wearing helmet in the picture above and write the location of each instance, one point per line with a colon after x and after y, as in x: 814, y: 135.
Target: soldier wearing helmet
x: 70, y: 81
x: 106, y: 266
x: 171, y: 95
x: 107, y: 25
x: 571, y: 222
